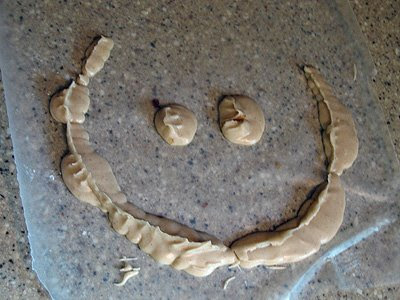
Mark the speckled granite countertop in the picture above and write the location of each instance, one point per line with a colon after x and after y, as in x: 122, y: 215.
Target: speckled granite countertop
x: 18, y: 281
x: 379, y: 22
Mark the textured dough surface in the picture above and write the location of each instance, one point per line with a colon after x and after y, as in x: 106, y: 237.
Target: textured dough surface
x: 176, y: 124
x: 340, y: 135
x: 97, y: 55
x: 70, y: 104
x: 165, y: 240
x: 90, y: 179
x: 317, y: 226
x: 241, y: 120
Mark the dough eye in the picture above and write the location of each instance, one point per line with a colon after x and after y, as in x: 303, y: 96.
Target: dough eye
x: 241, y: 120
x: 176, y: 124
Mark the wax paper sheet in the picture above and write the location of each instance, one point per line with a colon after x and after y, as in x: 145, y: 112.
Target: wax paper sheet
x: 192, y: 53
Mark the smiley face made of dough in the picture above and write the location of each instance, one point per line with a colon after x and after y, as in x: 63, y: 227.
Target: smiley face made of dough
x: 89, y: 178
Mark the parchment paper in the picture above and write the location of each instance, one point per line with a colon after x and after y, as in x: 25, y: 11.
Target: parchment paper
x: 192, y: 53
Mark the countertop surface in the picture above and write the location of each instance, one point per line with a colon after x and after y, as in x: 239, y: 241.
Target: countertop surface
x: 379, y: 22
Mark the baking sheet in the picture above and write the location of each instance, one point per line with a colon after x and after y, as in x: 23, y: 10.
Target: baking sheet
x: 192, y: 53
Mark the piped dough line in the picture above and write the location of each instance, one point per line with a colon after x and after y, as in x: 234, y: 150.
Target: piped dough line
x: 97, y: 54
x: 288, y: 246
x: 196, y: 258
x: 341, y: 145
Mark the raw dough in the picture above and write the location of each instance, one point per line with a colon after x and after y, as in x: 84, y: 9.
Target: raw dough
x: 176, y: 124
x: 97, y: 54
x: 299, y: 238
x: 165, y: 240
x: 128, y: 275
x: 89, y: 178
x: 241, y: 120
x: 339, y: 131
x: 70, y: 104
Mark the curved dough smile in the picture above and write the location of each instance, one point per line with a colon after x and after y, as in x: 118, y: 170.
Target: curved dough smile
x: 90, y: 179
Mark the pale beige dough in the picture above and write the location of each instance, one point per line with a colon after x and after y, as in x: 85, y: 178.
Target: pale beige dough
x: 89, y: 178
x: 241, y: 120
x: 97, y: 54
x: 176, y: 124
x: 301, y: 237
x: 128, y: 275
x: 70, y: 104
x: 165, y: 240
x: 339, y: 131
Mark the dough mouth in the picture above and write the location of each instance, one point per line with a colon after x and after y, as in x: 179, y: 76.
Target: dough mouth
x: 90, y: 179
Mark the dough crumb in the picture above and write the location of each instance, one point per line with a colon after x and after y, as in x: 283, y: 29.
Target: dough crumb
x: 355, y: 72
x: 235, y: 265
x: 127, y: 267
x: 124, y: 258
x: 227, y: 281
x: 128, y: 270
x: 276, y: 267
x: 127, y: 276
